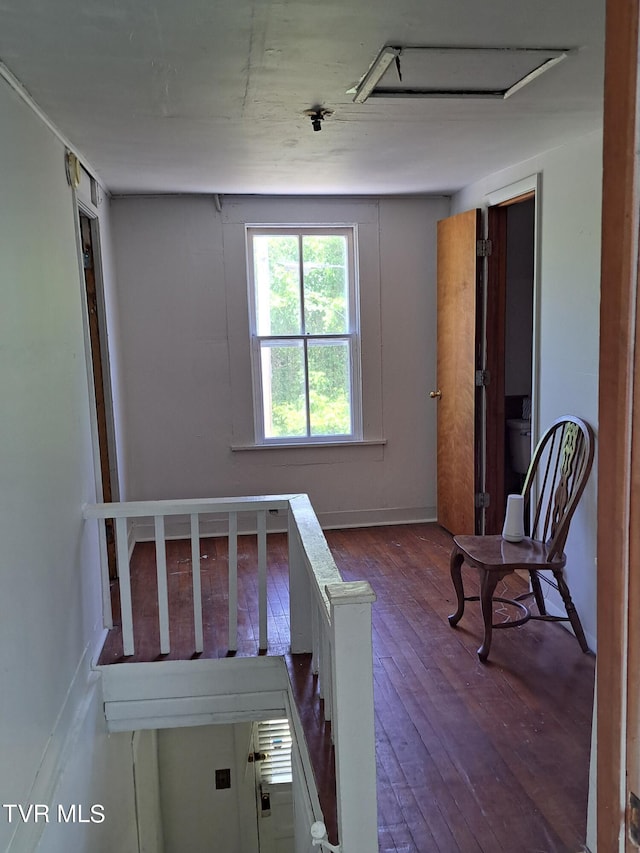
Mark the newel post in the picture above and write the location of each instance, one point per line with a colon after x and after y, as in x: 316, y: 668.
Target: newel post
x: 353, y: 720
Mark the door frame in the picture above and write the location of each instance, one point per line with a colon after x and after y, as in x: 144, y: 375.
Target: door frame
x: 618, y: 550
x: 83, y: 208
x: 492, y: 439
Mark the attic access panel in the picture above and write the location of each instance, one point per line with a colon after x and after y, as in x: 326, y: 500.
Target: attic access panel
x: 454, y: 72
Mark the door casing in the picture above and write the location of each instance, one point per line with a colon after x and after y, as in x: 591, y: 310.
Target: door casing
x: 618, y: 551
x: 98, y: 369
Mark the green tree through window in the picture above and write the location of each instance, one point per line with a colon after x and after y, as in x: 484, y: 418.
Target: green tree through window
x: 305, y: 332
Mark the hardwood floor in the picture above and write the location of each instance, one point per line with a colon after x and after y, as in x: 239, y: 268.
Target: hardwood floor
x: 470, y: 757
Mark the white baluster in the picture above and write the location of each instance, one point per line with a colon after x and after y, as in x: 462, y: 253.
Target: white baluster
x: 163, y: 595
x: 315, y: 638
x: 124, y: 577
x: 107, y: 613
x: 325, y: 677
x: 196, y: 579
x: 262, y: 578
x: 233, y: 581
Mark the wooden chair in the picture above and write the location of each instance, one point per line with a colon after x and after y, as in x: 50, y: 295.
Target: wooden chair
x: 554, y: 483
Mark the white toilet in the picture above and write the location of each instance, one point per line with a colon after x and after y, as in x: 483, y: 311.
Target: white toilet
x: 519, y: 432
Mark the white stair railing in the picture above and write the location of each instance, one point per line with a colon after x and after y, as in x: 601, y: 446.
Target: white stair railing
x: 199, y: 514
x: 332, y: 619
x: 329, y: 618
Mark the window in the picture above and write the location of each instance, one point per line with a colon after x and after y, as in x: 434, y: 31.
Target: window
x: 274, y: 743
x: 304, y: 327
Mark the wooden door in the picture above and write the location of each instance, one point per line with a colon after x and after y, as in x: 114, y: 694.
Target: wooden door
x: 459, y: 356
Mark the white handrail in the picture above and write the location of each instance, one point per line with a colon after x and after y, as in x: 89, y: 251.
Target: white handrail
x: 149, y: 509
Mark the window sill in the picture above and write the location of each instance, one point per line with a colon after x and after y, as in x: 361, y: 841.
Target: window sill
x: 311, y: 445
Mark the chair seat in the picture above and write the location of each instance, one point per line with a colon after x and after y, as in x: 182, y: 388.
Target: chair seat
x: 493, y: 553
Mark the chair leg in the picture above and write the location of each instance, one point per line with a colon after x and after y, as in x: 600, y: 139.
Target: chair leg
x: 537, y: 592
x: 488, y: 583
x: 457, y: 559
x: 570, y: 607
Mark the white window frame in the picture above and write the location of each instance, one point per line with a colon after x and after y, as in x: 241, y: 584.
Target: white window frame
x: 352, y: 334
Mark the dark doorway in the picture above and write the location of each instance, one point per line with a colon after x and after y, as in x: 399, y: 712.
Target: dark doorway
x: 510, y: 332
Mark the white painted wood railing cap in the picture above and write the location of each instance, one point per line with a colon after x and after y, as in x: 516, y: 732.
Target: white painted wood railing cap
x: 351, y: 592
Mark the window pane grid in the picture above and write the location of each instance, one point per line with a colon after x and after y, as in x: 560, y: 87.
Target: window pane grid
x: 305, y: 333
x: 284, y: 389
x: 324, y: 406
x: 324, y: 276
x: 277, y: 277
x: 329, y: 373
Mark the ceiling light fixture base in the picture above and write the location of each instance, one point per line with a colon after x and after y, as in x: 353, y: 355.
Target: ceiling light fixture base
x: 317, y: 116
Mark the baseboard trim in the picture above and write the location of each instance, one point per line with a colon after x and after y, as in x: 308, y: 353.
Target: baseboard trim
x: 376, y: 517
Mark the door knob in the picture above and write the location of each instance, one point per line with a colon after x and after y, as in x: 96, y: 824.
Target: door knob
x: 436, y: 394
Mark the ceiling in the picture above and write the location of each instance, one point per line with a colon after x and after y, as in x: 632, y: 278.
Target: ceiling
x: 209, y: 95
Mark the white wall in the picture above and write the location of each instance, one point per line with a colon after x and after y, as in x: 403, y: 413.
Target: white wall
x: 182, y: 294
x: 50, y: 714
x: 569, y: 278
x: 97, y: 770
x: 195, y: 815
x: 147, y: 791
